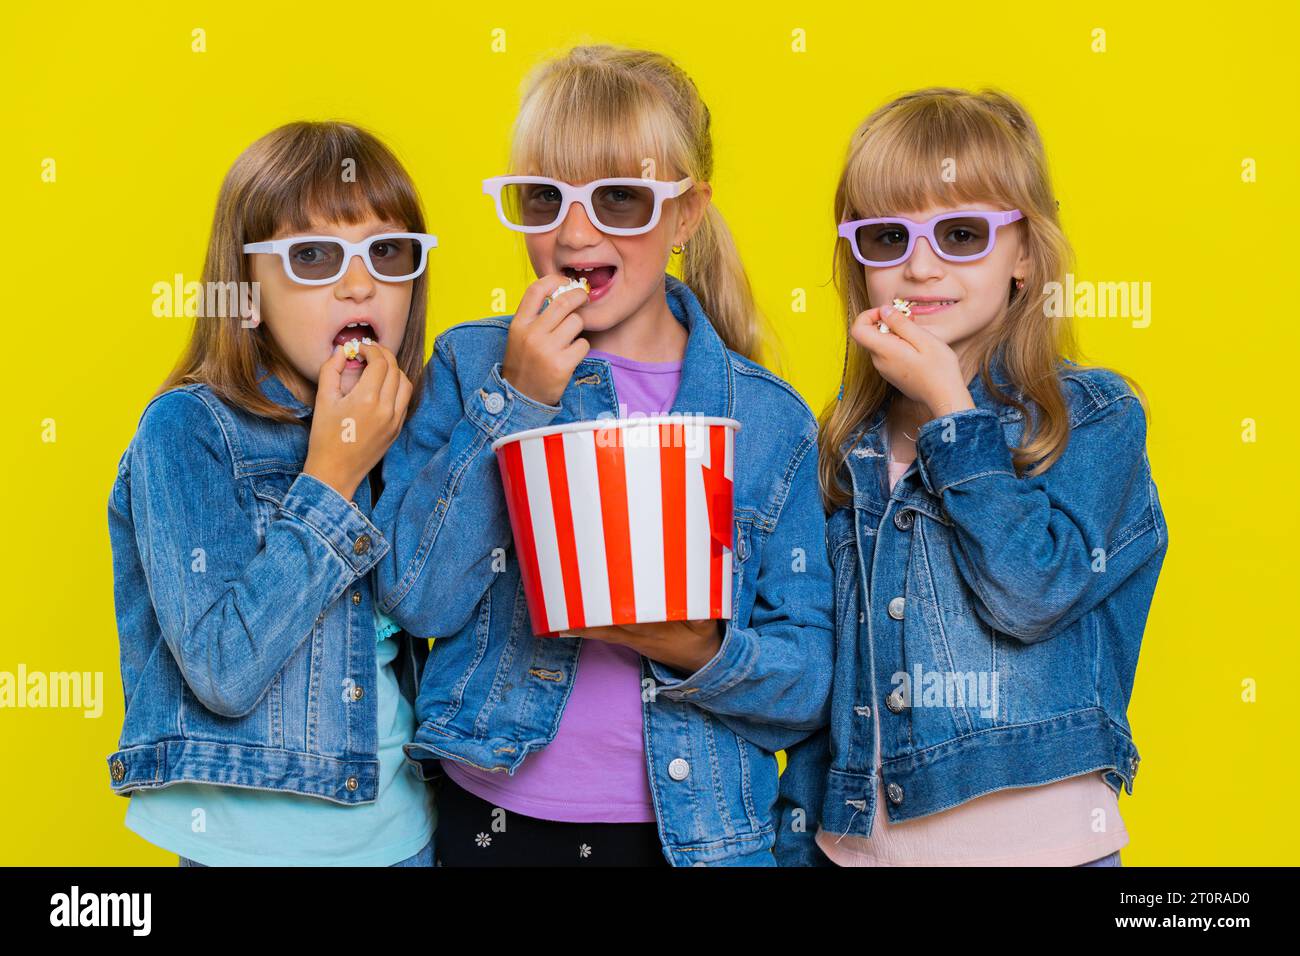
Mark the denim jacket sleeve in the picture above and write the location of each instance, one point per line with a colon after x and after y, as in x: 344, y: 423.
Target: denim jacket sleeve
x: 443, y: 506
x: 219, y: 594
x: 1042, y: 551
x: 770, y: 680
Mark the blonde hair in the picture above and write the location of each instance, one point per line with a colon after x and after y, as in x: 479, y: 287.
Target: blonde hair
x: 895, y: 164
x: 602, y: 111
x: 285, y: 179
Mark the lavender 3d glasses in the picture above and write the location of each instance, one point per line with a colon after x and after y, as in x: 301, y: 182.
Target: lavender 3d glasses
x: 955, y: 236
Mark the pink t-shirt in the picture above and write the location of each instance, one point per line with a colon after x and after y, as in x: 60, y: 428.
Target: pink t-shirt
x: 1063, y: 823
x: 594, y: 771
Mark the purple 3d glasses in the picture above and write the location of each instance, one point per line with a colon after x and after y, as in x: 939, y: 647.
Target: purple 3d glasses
x: 956, y: 236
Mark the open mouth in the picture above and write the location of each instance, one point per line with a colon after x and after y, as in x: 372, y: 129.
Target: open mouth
x: 352, y: 336
x: 599, y: 278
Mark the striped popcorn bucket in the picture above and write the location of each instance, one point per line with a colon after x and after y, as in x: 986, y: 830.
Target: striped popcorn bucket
x: 622, y: 521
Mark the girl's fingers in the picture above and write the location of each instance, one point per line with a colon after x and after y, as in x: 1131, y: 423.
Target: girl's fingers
x: 531, y: 304
x: 566, y: 332
x: 903, y: 326
x: 561, y: 308
x: 372, y: 376
x: 866, y: 329
x: 576, y: 350
x: 327, y: 383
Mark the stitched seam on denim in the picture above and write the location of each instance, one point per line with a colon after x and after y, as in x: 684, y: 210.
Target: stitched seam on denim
x: 747, y: 781
x: 719, y: 802
x: 356, y: 572
x: 982, y: 474
x: 229, y: 435
x: 952, y: 743
x: 943, y: 634
x: 744, y: 666
x: 433, y: 524
x: 762, y: 373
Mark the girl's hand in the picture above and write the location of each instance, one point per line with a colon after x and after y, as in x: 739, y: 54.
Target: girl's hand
x: 543, y: 348
x: 913, y: 360
x: 350, y: 433
x: 685, y: 645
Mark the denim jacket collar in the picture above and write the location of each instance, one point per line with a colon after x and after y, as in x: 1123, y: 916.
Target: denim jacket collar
x: 866, y: 453
x: 706, y: 366
x: 279, y: 393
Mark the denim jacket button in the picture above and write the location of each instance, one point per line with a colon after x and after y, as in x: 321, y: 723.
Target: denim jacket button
x: 356, y: 597
x: 352, y: 783
x: 895, y: 701
x: 118, y: 769
x: 493, y: 402
x: 362, y: 545
x: 679, y: 769
x: 896, y: 608
x: 358, y: 692
x: 903, y: 520
x: 895, y: 794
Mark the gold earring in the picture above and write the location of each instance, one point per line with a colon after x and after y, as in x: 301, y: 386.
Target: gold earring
x: 679, y: 249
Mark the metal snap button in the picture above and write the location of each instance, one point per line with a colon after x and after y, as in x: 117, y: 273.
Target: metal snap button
x: 356, y: 597
x: 352, y: 783
x: 896, y: 608
x: 358, y: 692
x: 362, y: 545
x: 895, y: 701
x: 117, y: 769
x: 493, y: 402
x: 903, y: 520
x: 679, y: 769
x: 895, y: 793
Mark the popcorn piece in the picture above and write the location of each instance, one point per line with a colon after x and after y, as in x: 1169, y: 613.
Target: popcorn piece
x: 352, y: 349
x: 900, y: 305
x: 578, y: 283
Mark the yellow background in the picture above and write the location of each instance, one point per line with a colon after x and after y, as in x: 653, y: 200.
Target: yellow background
x: 1146, y: 142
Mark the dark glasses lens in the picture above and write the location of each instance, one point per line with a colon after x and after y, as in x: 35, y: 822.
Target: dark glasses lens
x: 962, y: 236
x: 396, y: 257
x: 530, y: 204
x: 616, y: 206
x: 623, y: 206
x: 317, y: 259
x: 882, y: 241
x: 957, y: 237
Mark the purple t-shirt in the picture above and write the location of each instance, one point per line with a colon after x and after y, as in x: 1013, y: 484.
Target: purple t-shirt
x: 594, y: 771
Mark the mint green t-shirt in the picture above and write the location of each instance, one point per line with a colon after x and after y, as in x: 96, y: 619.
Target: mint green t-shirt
x: 239, y: 826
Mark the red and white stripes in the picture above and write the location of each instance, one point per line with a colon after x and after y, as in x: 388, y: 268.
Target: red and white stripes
x: 622, y: 521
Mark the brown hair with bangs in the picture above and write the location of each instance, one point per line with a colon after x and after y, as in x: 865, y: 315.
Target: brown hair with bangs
x: 289, y: 177
x: 605, y: 111
x: 895, y: 164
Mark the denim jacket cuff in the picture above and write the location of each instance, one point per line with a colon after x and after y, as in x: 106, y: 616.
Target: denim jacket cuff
x: 337, y: 521
x: 729, y: 666
x: 959, y: 447
x: 498, y: 408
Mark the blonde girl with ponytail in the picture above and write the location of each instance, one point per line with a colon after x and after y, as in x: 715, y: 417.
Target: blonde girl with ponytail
x: 640, y: 743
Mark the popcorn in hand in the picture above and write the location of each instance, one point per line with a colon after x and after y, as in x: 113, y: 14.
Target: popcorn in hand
x: 900, y: 305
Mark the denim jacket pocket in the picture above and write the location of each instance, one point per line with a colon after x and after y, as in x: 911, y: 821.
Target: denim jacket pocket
x: 269, y: 486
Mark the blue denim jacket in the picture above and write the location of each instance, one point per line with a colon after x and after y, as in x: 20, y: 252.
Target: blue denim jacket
x: 244, y: 606
x: 1014, y: 606
x: 492, y: 693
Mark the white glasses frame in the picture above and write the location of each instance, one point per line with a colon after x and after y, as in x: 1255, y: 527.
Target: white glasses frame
x: 569, y: 194
x: 281, y: 247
